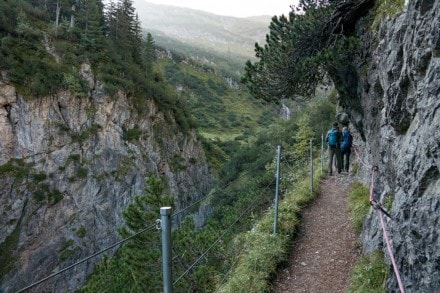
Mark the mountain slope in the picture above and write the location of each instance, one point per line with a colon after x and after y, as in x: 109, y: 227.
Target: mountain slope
x: 219, y: 35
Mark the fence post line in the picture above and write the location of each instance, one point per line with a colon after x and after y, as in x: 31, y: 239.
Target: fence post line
x: 311, y: 166
x: 165, y: 224
x: 277, y: 179
x: 322, y: 152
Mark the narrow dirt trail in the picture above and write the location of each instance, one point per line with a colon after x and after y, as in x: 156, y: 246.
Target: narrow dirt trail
x: 324, y: 251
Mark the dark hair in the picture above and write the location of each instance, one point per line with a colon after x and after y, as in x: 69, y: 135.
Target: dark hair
x: 335, y: 124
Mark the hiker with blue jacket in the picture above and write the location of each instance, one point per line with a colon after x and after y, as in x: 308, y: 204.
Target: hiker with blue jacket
x: 334, y: 139
x: 346, y: 148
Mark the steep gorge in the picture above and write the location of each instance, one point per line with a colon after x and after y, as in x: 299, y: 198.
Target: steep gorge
x: 391, y: 94
x: 70, y: 166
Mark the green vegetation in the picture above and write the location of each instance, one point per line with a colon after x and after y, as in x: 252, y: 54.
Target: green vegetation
x: 388, y: 201
x: 55, y: 37
x: 84, y: 135
x: 81, y: 172
x: 8, y: 251
x: 65, y: 251
x: 219, y: 110
x: 177, y: 163
x: 135, y: 268
x: 262, y: 251
x: 386, y: 8
x: 132, y: 134
x: 17, y: 168
x: 299, y: 53
x: 241, y: 214
x: 369, y: 274
x: 81, y: 232
x: 359, y: 204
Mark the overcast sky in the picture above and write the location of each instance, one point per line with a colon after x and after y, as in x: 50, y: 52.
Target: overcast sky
x: 238, y: 8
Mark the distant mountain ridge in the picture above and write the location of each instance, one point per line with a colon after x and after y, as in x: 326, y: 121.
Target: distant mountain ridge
x: 231, y: 37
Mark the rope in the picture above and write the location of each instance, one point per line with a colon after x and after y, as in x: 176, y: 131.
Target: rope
x: 381, y: 211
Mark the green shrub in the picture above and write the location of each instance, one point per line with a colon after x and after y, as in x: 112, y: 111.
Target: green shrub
x: 177, y: 163
x: 56, y: 195
x: 81, y: 172
x: 39, y: 195
x: 132, y: 134
x: 65, y: 251
x: 75, y: 157
x: 369, y: 274
x: 39, y: 177
x: 81, y: 232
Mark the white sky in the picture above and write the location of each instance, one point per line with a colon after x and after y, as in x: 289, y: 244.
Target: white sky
x: 238, y: 8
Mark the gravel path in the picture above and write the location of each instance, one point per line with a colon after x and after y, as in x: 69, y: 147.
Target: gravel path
x: 324, y: 251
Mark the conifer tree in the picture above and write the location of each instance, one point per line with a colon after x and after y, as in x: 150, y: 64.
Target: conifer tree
x: 149, y: 55
x: 298, y: 53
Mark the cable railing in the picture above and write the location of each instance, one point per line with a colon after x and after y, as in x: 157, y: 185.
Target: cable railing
x: 158, y: 225
x: 87, y: 258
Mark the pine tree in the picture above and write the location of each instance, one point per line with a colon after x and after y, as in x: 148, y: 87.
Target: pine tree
x: 149, y: 55
x: 91, y: 25
x: 298, y: 53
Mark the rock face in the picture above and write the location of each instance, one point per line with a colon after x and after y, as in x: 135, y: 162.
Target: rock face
x: 395, y: 110
x: 69, y: 167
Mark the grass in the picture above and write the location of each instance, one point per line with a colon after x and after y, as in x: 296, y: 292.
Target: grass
x: 262, y: 251
x: 358, y: 204
x: 369, y: 274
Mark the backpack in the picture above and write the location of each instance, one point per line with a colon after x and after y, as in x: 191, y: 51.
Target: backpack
x: 333, y: 138
x: 346, y: 143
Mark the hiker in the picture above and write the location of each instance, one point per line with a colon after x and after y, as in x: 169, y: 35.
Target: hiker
x: 346, y: 148
x: 333, y: 139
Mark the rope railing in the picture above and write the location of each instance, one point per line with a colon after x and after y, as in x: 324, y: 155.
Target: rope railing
x: 379, y: 208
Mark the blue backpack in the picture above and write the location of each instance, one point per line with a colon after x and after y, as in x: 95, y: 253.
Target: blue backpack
x: 333, y: 138
x: 346, y: 143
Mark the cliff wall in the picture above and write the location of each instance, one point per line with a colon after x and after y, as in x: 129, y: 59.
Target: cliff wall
x: 70, y: 166
x: 392, y: 95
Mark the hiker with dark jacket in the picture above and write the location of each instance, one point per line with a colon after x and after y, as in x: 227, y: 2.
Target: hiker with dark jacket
x: 346, y: 148
x: 334, y: 139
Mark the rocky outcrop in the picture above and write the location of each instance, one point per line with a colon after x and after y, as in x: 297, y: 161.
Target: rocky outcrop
x: 394, y: 106
x: 69, y: 166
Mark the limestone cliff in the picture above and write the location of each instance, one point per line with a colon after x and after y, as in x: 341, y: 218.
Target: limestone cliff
x: 392, y: 94
x: 69, y: 166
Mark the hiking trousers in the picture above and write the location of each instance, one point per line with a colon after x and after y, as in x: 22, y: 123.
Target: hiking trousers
x: 334, y: 153
x: 345, y: 156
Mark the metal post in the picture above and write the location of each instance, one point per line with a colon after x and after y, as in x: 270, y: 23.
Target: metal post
x: 165, y: 224
x: 322, y: 152
x: 277, y: 179
x: 311, y: 166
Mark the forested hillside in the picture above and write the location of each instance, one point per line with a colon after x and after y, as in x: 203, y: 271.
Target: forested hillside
x: 100, y: 128
x: 64, y: 35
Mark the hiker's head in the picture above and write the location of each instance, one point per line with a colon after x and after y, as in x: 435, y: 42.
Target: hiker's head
x: 335, y: 125
x: 345, y: 128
